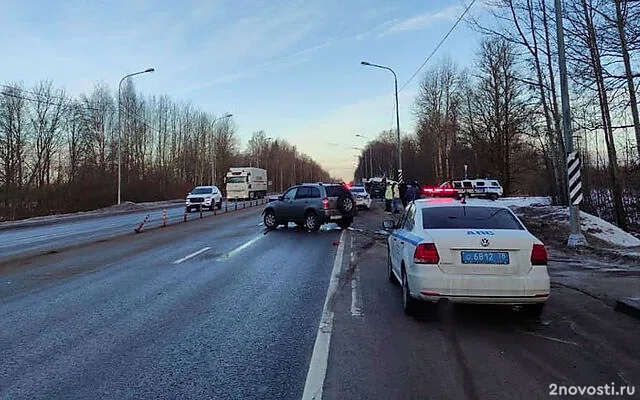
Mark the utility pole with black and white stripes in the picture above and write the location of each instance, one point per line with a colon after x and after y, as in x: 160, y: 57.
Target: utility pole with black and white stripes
x: 574, y: 182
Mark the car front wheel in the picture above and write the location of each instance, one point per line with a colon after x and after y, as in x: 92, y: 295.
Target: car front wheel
x: 408, y: 302
x: 311, y: 222
x: 390, y: 275
x: 270, y: 220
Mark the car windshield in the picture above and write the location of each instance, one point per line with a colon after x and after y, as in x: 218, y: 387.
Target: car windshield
x: 469, y: 217
x: 201, y: 191
x: 237, y: 179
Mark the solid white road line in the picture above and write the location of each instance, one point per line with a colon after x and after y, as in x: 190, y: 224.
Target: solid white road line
x: 318, y: 365
x: 192, y: 255
x: 239, y: 248
x: 356, y: 298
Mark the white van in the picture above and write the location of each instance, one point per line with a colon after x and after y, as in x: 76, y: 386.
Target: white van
x: 485, y: 188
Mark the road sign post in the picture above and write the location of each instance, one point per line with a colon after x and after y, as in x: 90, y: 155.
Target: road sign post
x: 576, y: 238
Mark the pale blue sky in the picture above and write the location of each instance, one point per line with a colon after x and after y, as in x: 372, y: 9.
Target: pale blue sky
x: 291, y: 68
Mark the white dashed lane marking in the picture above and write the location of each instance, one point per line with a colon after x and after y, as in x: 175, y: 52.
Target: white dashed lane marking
x: 192, y: 255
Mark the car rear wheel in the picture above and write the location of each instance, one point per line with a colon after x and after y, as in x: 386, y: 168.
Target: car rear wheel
x: 311, y: 222
x: 345, y: 204
x: 408, y: 302
x: 532, y: 310
x: 270, y: 220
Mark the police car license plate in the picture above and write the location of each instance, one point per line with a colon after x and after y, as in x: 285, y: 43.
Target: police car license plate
x: 485, y: 257
x: 335, y: 217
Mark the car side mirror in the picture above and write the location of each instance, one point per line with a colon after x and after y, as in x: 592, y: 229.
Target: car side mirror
x: 189, y: 194
x: 388, y: 224
x: 281, y: 198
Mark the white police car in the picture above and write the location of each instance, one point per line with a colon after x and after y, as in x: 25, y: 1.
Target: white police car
x: 466, y: 252
x: 363, y: 199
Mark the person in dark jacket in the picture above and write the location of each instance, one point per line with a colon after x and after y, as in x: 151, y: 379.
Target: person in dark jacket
x: 412, y: 193
x: 403, y: 194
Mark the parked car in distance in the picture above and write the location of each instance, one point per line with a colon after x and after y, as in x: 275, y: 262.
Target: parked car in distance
x: 363, y: 199
x: 484, y: 188
x: 312, y: 205
x: 205, y: 197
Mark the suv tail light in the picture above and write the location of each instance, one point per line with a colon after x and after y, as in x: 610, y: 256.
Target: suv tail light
x: 325, y: 203
x: 426, y: 253
x: 538, y: 255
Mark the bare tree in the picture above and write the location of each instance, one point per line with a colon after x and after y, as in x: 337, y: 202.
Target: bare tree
x: 496, y: 113
x: 437, y: 110
x: 585, y: 54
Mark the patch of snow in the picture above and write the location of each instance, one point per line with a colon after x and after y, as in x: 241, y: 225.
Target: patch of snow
x: 524, y: 201
x: 606, y: 231
x: 591, y: 225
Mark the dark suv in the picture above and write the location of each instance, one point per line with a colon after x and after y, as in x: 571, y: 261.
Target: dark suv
x: 311, y: 205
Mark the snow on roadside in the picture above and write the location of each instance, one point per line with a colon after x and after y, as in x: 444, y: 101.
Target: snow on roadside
x: 125, y: 206
x: 606, y: 231
x: 590, y: 224
x: 524, y: 201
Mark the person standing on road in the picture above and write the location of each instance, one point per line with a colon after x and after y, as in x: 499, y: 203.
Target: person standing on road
x: 388, y: 197
x: 412, y: 193
x: 397, y: 203
x: 403, y: 194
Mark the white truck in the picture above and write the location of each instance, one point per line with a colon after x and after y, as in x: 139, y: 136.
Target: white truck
x: 246, y: 183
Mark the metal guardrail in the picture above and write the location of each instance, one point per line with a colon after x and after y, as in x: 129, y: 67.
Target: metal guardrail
x: 229, y: 206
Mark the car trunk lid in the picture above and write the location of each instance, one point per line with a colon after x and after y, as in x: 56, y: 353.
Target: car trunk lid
x: 483, y: 252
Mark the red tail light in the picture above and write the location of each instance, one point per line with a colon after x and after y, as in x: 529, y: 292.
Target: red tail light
x: 325, y: 203
x: 538, y: 255
x: 426, y: 253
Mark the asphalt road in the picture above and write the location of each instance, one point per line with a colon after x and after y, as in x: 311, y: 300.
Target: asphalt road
x: 135, y: 317
x: 220, y: 309
x: 469, y: 352
x: 28, y: 241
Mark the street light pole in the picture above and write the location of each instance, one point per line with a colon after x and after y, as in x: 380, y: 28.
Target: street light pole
x: 395, y: 81
x: 213, y: 150
x: 120, y: 129
x: 576, y: 238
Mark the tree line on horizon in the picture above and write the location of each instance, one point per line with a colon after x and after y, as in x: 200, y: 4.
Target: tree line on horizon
x: 503, y: 116
x: 59, y: 154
